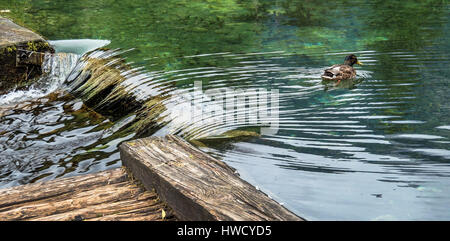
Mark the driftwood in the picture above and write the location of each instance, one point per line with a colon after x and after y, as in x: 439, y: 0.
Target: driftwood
x: 107, y: 195
x: 195, y: 185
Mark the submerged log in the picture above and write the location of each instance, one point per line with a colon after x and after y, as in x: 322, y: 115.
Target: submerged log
x: 195, y: 185
x: 107, y: 195
x: 21, y: 54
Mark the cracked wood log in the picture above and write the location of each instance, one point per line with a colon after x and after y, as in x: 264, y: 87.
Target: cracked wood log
x: 195, y: 185
x: 21, y: 55
x: 107, y: 195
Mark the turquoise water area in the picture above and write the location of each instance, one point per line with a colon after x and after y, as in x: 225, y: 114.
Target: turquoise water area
x: 373, y: 149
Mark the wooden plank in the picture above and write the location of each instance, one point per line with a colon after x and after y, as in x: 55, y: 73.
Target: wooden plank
x: 195, y: 185
x: 107, y: 195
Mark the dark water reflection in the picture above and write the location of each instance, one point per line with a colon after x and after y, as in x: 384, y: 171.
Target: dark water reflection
x: 373, y: 150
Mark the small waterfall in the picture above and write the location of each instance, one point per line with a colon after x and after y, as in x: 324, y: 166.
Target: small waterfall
x: 56, y: 68
x: 152, y: 103
x: 112, y: 87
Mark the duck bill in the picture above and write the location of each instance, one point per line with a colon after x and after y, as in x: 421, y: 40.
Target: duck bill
x: 358, y: 63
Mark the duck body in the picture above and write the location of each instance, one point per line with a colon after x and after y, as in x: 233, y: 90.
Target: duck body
x: 339, y: 72
x: 344, y: 71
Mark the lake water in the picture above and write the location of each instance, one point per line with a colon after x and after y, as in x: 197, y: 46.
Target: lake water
x: 376, y: 148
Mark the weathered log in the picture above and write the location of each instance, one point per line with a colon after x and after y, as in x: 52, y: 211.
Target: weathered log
x: 20, y: 54
x: 13, y: 34
x: 107, y: 195
x: 195, y: 185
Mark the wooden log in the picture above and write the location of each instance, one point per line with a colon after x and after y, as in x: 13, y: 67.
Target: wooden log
x: 21, y: 55
x: 12, y: 34
x: 195, y: 185
x: 107, y: 195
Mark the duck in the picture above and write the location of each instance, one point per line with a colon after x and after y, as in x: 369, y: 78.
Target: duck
x: 344, y: 71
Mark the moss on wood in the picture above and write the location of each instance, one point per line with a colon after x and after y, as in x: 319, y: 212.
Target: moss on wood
x: 12, y: 38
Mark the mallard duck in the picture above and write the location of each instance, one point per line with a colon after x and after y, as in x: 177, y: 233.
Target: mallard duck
x: 342, y: 71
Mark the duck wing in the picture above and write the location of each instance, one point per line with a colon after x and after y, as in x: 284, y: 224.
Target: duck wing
x: 339, y: 71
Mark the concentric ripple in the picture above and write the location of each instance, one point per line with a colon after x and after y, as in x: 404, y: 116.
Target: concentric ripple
x: 375, y: 148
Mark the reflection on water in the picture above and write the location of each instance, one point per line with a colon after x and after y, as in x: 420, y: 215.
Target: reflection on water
x: 52, y: 136
x: 78, y: 46
x: 373, y: 149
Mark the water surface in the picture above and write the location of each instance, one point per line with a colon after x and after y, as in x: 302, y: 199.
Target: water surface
x: 375, y: 149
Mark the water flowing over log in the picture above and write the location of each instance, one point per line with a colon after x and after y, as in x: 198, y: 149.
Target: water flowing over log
x: 21, y: 54
x: 195, y: 185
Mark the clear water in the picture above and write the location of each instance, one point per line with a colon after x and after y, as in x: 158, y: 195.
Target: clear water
x: 377, y: 149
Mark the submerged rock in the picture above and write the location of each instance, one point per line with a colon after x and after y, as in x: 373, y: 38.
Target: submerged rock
x: 21, y: 55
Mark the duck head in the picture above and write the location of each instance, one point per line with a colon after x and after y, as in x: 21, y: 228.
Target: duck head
x: 351, y: 60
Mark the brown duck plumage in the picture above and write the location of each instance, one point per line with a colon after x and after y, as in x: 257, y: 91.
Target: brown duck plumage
x: 342, y: 71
